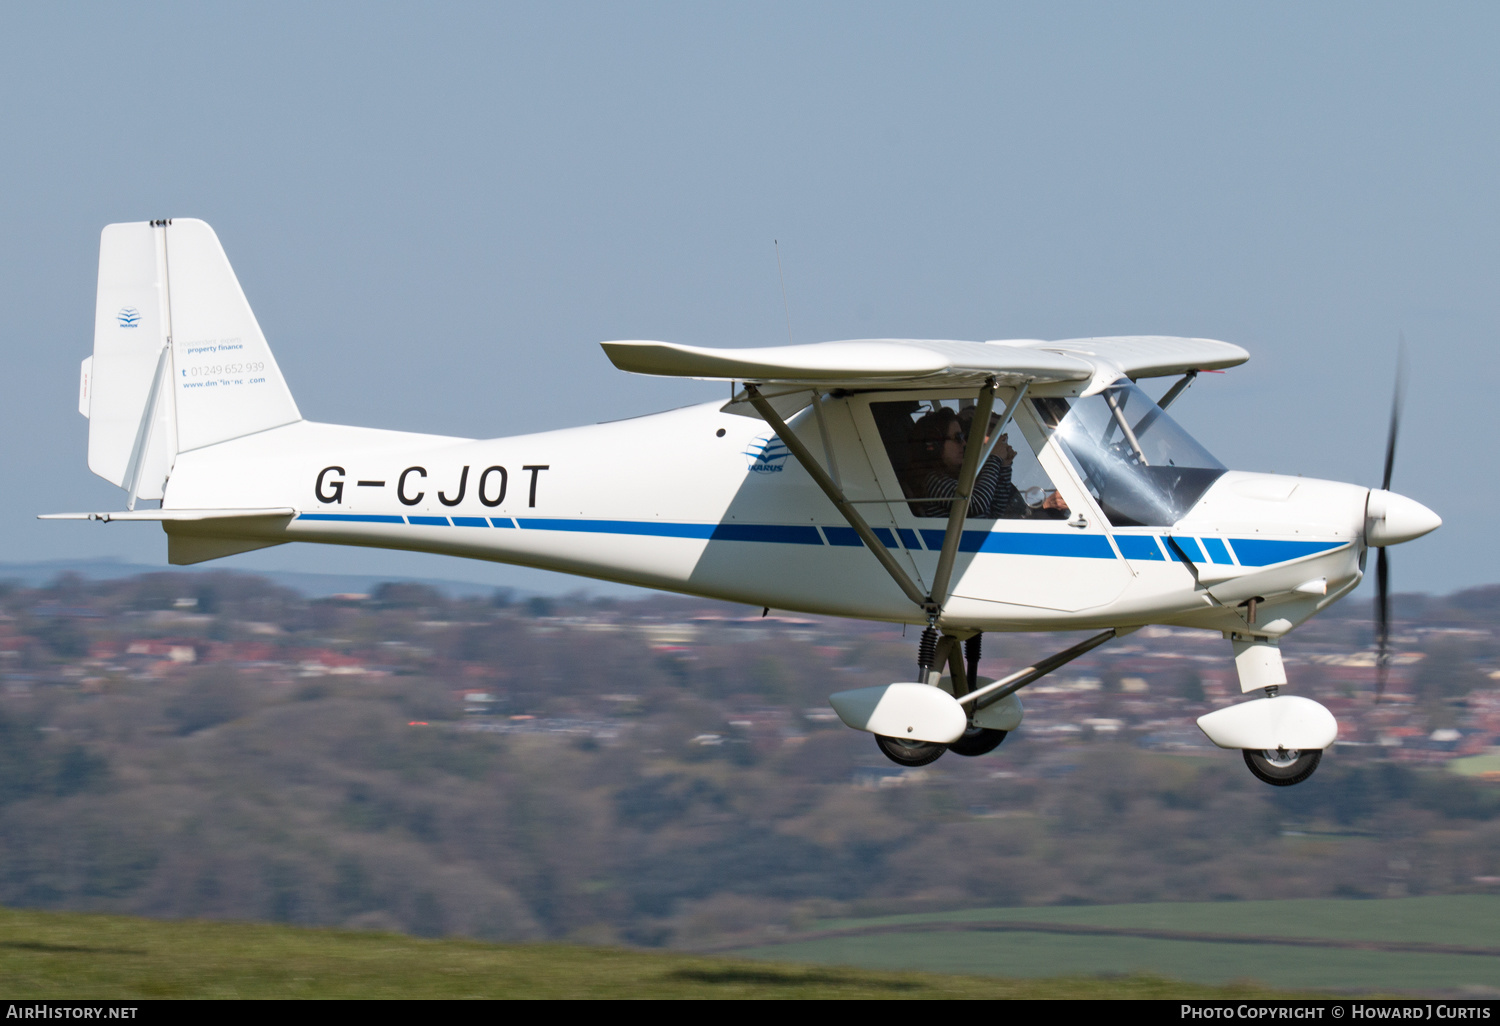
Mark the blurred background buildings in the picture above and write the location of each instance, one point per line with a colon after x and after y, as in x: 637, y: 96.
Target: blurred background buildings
x: 666, y: 771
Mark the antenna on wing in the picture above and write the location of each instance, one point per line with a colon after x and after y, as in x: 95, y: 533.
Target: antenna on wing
x: 785, y: 305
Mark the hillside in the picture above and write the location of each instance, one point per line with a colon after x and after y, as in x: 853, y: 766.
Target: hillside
x: 67, y: 955
x: 666, y: 773
x: 1431, y: 945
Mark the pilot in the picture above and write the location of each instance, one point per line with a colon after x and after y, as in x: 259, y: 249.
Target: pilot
x: 1030, y: 504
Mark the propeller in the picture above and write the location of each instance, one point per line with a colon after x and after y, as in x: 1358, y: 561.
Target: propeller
x: 1382, y: 560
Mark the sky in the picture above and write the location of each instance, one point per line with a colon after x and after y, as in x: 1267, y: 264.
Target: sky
x: 438, y: 211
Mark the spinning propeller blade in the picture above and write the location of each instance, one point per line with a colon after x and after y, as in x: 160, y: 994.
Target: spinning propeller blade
x: 1397, y: 399
x: 1382, y: 559
x: 1382, y: 620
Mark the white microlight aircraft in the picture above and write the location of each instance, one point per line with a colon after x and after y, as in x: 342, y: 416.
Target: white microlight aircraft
x: 1014, y: 485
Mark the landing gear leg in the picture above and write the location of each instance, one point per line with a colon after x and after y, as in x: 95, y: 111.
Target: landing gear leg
x: 927, y: 655
x: 919, y: 753
x: 999, y: 690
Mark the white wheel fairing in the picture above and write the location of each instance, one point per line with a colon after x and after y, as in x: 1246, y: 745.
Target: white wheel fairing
x: 1287, y: 722
x: 908, y: 712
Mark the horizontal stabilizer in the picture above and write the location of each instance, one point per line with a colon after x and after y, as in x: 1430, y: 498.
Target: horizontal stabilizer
x: 173, y: 514
x: 186, y: 549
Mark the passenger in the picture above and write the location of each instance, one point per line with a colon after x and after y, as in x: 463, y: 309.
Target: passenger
x: 938, y: 455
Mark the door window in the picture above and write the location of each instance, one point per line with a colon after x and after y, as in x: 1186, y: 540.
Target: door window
x: 924, y: 440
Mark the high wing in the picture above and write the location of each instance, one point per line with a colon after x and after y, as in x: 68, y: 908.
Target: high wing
x: 889, y: 363
x: 858, y: 363
x: 1147, y: 356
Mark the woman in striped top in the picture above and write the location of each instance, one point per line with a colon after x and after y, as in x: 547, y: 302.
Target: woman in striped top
x: 939, y: 441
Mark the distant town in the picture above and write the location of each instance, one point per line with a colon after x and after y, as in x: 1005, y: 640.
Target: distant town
x: 667, y: 770
x: 1441, y: 701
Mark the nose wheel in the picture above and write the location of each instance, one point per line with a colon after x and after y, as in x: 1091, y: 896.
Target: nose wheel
x: 1283, y: 767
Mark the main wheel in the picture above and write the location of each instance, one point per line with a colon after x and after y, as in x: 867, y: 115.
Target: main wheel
x: 909, y: 753
x: 1283, y: 767
x: 978, y: 741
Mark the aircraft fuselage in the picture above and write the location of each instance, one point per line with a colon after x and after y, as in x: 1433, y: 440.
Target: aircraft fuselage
x: 690, y: 500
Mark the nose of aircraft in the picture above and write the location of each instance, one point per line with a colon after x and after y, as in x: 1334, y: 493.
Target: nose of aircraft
x: 1391, y: 519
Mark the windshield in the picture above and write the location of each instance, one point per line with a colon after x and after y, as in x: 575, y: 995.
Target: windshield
x: 1143, y: 469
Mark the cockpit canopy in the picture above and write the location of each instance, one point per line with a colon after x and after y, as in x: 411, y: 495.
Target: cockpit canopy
x: 1142, y: 468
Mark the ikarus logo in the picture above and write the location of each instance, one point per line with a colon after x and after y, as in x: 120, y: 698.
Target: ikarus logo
x: 766, y: 455
x: 129, y: 317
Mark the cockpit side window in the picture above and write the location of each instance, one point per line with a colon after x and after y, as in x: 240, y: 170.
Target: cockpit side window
x: 925, y: 439
x: 1143, y: 469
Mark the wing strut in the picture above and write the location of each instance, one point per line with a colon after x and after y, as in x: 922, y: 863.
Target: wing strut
x: 1176, y: 390
x: 962, y: 493
x: 992, y: 693
x: 836, y: 494
x: 974, y: 452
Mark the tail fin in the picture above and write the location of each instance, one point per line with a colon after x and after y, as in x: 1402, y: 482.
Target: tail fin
x: 179, y: 361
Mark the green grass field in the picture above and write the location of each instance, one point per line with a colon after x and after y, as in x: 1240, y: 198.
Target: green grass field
x: 1474, y: 765
x: 1459, y: 920
x: 72, y: 956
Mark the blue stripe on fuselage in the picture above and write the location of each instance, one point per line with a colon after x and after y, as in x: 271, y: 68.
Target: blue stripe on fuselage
x: 786, y: 534
x: 1265, y: 551
x: 1027, y: 543
x: 1138, y: 547
x: 1216, y: 550
x: 650, y: 528
x: 850, y: 537
x: 1251, y: 551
